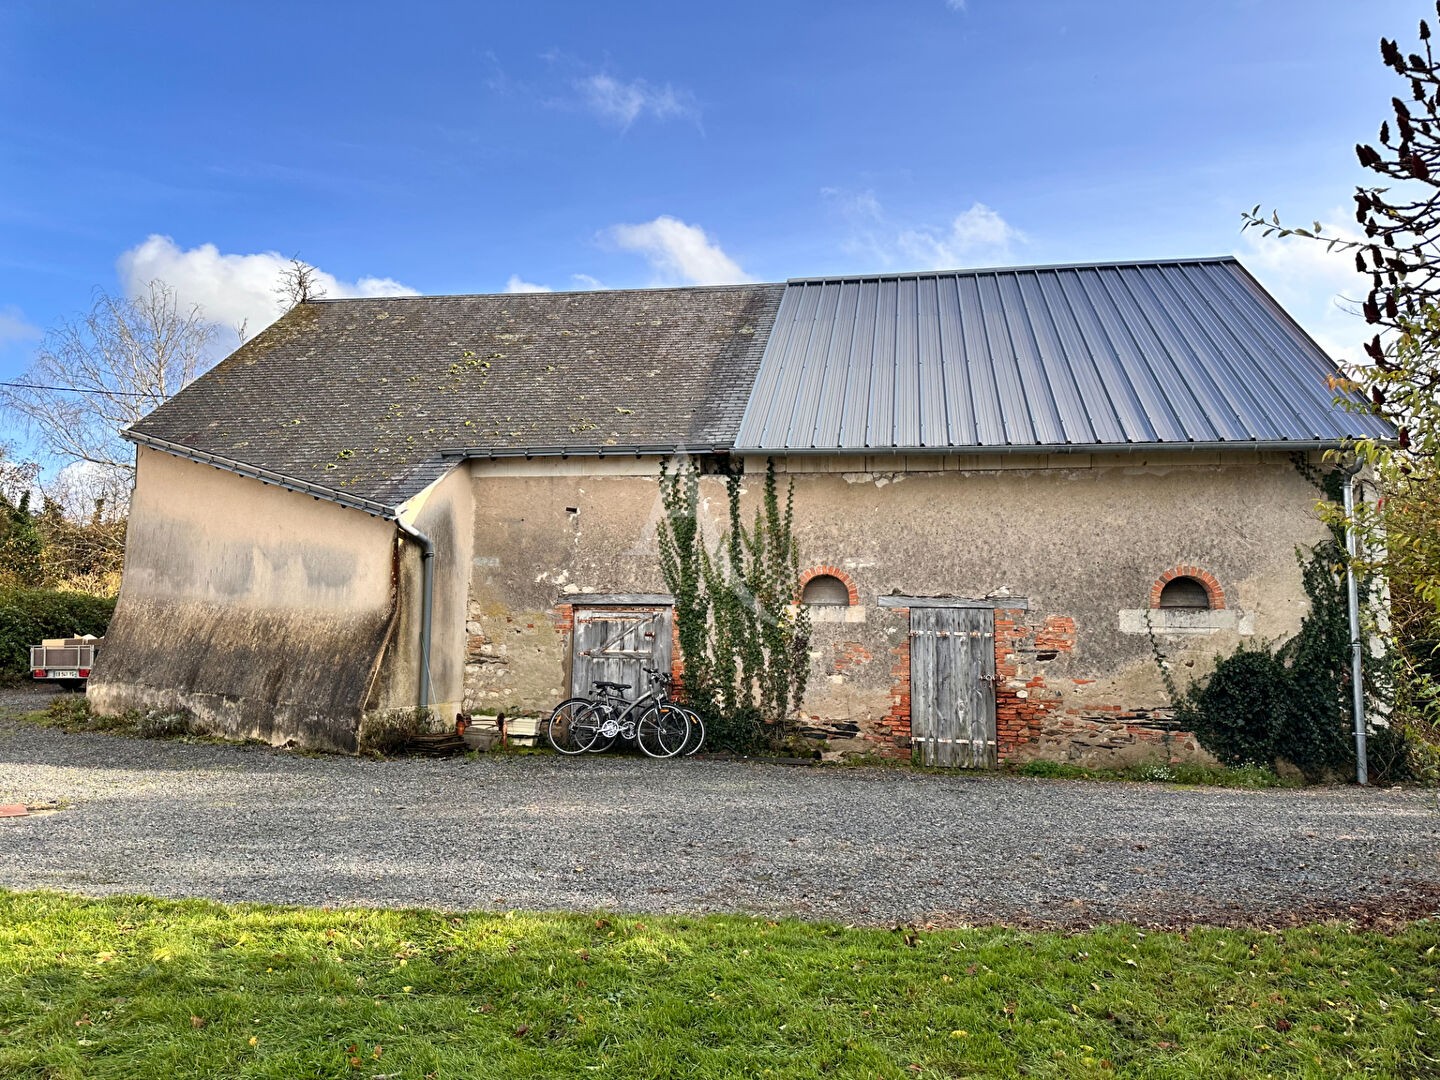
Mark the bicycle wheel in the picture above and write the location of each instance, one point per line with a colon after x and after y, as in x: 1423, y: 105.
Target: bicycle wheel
x: 662, y: 732
x: 572, y: 728
x: 697, y: 733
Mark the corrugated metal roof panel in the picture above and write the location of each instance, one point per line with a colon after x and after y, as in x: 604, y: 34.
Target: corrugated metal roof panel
x: 1187, y: 352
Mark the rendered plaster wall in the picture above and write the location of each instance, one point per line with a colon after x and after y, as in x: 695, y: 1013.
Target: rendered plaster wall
x: 260, y: 611
x: 1082, y: 538
x: 443, y: 512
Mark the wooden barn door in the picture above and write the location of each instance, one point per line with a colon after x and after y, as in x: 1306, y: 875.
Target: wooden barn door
x: 952, y: 686
x: 616, y: 643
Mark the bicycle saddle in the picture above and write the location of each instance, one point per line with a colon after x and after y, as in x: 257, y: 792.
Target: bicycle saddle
x: 611, y: 685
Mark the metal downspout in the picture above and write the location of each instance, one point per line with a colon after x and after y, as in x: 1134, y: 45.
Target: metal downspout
x: 1357, y: 646
x: 427, y: 602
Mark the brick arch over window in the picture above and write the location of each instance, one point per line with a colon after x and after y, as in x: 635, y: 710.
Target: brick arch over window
x: 830, y: 571
x: 1204, y: 577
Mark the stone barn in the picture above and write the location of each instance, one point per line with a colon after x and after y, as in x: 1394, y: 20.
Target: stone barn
x: 1007, y: 481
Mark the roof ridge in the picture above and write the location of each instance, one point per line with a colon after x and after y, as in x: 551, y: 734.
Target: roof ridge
x: 550, y: 292
x: 966, y: 271
x: 897, y: 275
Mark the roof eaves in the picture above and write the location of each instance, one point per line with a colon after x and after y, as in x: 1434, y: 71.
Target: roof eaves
x: 265, y: 476
x: 1062, y: 448
x: 634, y: 450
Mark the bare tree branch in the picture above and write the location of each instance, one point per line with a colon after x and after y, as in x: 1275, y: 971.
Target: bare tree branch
x: 299, y: 282
x: 127, y: 356
x: 1400, y: 252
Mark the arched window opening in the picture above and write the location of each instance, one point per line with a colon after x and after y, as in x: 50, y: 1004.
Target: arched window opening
x: 1185, y: 594
x: 825, y: 590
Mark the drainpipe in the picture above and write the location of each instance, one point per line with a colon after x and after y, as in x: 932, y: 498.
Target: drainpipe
x: 427, y: 602
x: 1352, y: 594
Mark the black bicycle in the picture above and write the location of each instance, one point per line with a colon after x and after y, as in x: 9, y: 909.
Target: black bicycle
x: 659, y: 728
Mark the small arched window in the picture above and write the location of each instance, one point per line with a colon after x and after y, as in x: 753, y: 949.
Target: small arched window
x: 825, y: 590
x: 1185, y: 594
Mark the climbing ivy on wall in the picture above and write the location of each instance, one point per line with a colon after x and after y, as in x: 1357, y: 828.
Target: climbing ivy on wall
x: 682, y: 560
x: 744, y: 637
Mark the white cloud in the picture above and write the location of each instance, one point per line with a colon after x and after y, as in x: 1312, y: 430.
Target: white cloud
x: 1321, y: 289
x: 680, y: 253
x: 957, y: 5
x: 231, y: 289
x: 15, y: 327
x: 517, y: 284
x: 978, y: 236
x: 580, y: 283
x: 621, y: 103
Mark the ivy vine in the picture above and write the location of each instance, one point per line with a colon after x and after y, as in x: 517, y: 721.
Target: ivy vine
x: 744, y: 637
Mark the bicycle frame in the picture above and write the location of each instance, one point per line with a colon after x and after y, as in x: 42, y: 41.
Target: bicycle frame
x: 624, y: 726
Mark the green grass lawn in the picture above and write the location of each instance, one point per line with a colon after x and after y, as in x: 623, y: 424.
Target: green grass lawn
x: 144, y: 988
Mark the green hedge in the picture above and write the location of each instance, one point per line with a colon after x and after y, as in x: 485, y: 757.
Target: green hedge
x: 29, y: 615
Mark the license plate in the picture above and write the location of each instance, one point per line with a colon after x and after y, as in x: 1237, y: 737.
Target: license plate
x: 57, y: 674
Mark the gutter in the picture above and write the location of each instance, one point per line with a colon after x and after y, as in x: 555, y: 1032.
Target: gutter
x: 427, y: 602
x: 1059, y: 448
x: 642, y: 450
x: 663, y: 449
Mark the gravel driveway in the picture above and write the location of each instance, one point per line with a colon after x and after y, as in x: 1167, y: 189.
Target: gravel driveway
x: 851, y: 844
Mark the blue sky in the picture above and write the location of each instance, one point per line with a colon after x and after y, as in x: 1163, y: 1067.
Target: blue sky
x: 476, y: 147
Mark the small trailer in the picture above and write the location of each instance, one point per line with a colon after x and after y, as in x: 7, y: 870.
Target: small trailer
x: 67, y: 661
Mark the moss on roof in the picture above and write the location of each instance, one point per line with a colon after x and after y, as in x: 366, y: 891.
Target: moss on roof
x: 365, y: 396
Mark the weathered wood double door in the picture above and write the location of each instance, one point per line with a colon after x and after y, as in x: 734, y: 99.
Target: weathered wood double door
x: 616, y: 643
x: 952, y: 685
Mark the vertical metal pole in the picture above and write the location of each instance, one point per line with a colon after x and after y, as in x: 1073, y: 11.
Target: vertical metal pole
x: 1357, y: 646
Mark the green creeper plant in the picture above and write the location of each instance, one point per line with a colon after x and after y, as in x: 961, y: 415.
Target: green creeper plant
x: 682, y: 555
x: 744, y: 636
x: 1266, y: 702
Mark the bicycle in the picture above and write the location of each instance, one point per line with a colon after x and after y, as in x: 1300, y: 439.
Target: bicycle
x: 696, y: 737
x: 659, y: 729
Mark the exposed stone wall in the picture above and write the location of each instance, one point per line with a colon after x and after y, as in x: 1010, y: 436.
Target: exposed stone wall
x: 1032, y: 719
x: 1083, y: 538
x: 546, y: 533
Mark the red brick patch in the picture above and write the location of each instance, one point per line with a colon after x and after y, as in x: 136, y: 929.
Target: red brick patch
x: 849, y: 654
x: 892, y: 731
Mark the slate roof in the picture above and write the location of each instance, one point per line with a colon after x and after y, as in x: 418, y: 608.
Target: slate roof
x: 369, y: 401
x: 362, y: 396
x: 1185, y: 352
